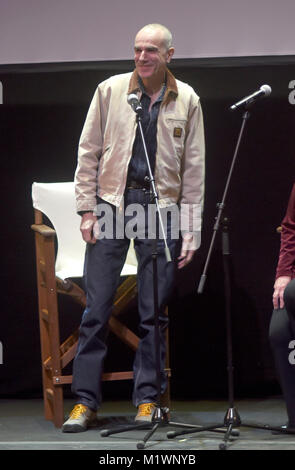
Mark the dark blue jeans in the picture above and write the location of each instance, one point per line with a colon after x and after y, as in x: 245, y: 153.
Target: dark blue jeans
x: 103, y: 264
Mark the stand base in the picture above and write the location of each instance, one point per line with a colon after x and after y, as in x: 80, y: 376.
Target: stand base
x: 231, y: 422
x: 160, y: 418
x: 229, y: 427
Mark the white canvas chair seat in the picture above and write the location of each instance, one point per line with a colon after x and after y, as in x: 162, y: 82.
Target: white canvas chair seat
x: 57, y: 202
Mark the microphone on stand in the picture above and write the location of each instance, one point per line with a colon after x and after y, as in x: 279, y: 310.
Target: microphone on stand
x: 134, y: 102
x: 265, y: 90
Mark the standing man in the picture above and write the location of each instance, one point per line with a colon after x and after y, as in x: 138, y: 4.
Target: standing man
x: 111, y: 174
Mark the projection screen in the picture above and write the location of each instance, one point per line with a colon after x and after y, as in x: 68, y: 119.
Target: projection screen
x: 42, y: 31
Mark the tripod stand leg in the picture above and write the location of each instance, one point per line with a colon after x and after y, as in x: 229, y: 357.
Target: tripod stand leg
x: 141, y: 444
x: 193, y: 429
x: 223, y: 445
x: 131, y: 427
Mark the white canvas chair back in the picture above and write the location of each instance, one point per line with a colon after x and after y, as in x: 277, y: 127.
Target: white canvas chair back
x: 57, y: 202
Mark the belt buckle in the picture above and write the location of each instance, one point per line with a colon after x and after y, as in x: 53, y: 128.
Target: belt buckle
x: 135, y: 185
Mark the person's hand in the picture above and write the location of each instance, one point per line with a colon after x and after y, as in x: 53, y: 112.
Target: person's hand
x: 188, y: 249
x: 279, y: 288
x: 88, y: 227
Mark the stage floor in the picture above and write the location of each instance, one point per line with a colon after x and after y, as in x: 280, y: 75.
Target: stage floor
x: 23, y: 427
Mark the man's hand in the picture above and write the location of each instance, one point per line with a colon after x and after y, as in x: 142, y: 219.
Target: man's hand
x: 88, y: 227
x: 188, y: 249
x: 279, y: 288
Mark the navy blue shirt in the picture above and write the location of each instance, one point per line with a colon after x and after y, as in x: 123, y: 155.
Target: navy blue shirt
x: 138, y: 168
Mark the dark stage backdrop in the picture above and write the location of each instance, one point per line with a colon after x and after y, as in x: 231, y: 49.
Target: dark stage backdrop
x: 41, y: 118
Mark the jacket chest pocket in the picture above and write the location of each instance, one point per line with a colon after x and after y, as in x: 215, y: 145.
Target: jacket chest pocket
x: 177, y: 132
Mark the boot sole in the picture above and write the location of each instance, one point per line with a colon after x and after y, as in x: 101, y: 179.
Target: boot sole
x: 73, y: 428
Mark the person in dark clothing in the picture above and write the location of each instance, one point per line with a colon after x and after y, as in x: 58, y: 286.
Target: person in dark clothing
x: 282, y: 324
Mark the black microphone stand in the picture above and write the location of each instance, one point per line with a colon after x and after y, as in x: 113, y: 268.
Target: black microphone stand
x: 232, y: 418
x: 160, y: 414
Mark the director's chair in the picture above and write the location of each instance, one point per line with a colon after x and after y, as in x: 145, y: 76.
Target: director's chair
x: 56, y: 268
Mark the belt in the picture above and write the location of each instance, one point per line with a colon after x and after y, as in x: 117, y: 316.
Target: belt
x: 135, y: 185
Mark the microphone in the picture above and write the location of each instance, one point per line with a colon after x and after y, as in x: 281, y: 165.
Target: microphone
x: 134, y: 102
x: 264, y: 90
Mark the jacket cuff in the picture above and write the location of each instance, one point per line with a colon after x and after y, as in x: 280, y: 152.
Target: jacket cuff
x: 87, y: 205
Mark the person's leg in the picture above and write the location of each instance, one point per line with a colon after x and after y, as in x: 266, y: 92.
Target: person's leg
x: 145, y: 365
x: 282, y: 331
x: 103, y: 264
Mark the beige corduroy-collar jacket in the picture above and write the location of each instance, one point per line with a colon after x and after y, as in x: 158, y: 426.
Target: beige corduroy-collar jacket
x: 107, y: 138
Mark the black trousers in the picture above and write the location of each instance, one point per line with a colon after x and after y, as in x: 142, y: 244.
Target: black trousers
x: 281, y: 333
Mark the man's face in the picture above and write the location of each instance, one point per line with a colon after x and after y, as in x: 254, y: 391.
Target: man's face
x: 150, y: 53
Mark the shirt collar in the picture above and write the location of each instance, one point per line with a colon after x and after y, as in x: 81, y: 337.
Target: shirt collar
x: 142, y: 89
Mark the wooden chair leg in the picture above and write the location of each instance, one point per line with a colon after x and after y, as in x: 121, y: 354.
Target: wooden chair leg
x: 49, y: 326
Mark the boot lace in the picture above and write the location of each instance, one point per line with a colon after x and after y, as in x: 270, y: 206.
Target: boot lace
x: 146, y: 409
x: 77, y: 411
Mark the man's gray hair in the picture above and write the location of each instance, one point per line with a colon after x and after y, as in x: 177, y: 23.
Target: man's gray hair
x: 166, y: 33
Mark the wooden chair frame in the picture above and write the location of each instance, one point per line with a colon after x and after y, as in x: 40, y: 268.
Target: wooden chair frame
x: 55, y: 356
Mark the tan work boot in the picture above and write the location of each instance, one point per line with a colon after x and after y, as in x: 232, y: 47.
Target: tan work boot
x: 81, y: 417
x: 145, y: 412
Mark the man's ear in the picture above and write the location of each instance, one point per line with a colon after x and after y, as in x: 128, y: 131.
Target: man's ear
x: 170, y: 53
